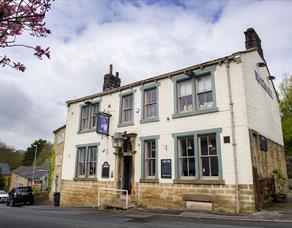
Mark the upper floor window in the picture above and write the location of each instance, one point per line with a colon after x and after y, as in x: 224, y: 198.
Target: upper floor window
x: 149, y: 112
x: 94, y: 114
x: 204, y: 92
x: 185, y: 96
x: 127, y: 108
x: 150, y: 103
x: 194, y: 94
x: 89, y: 114
x: 85, y: 117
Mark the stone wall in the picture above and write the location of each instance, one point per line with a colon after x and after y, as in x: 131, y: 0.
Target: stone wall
x: 160, y: 195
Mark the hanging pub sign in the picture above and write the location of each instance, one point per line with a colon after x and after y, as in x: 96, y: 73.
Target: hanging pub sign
x: 103, y: 120
x: 105, y: 170
x: 166, y: 168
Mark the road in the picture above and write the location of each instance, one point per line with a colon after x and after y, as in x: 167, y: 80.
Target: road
x: 32, y: 217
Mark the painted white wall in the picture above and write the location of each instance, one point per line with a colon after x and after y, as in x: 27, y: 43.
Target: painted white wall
x: 263, y: 111
x: 165, y: 127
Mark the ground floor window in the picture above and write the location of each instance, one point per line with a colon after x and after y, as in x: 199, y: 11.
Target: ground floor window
x: 149, y: 157
x: 198, y: 155
x: 86, y: 161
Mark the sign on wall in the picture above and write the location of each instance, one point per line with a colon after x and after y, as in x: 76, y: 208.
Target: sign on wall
x: 105, y: 170
x: 166, y: 168
x: 103, y: 120
x: 263, y: 84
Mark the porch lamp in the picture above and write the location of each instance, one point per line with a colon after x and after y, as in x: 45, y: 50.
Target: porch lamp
x: 117, y: 140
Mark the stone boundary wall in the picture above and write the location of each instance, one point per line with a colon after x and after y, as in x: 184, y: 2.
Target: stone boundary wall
x: 160, y: 195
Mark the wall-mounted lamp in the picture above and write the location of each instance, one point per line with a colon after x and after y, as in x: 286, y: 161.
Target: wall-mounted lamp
x: 261, y: 64
x: 271, y: 77
x: 189, y: 73
x: 87, y: 102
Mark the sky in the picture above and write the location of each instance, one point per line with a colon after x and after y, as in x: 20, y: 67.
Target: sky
x: 141, y: 39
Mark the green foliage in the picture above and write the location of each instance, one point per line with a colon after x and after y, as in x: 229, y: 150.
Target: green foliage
x: 287, y: 133
x: 45, y: 154
x: 52, y: 168
x: 280, y: 181
x: 30, y: 151
x: 286, y: 110
x: 11, y: 156
x: 286, y: 96
x: 2, y: 181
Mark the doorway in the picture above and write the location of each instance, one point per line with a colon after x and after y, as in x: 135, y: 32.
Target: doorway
x: 127, y: 173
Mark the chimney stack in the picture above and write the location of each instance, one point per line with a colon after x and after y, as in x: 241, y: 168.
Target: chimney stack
x: 111, y: 81
x: 252, y: 40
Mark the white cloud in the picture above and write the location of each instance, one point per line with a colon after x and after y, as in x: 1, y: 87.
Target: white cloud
x: 141, y: 40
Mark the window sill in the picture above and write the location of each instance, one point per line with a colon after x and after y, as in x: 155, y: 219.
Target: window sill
x: 84, y: 179
x: 202, y: 182
x: 195, y: 113
x: 156, y: 119
x: 126, y: 124
x: 86, y: 131
x: 149, y: 180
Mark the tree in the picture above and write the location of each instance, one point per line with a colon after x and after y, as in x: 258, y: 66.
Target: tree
x: 9, y: 155
x: 2, y: 180
x: 18, y: 17
x: 30, y: 151
x: 44, y: 150
x: 286, y: 111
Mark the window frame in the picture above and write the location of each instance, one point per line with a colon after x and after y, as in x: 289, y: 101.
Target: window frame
x: 195, y: 110
x: 89, y: 128
x: 122, y: 95
x: 143, y: 89
x: 196, y: 135
x: 143, y: 141
x: 187, y: 157
x: 200, y: 157
x: 86, y: 146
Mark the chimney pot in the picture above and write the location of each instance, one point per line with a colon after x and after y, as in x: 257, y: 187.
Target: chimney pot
x: 117, y: 74
x: 111, y: 69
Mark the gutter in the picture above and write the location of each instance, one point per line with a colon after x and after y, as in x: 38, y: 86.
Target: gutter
x: 227, y: 63
x: 159, y: 77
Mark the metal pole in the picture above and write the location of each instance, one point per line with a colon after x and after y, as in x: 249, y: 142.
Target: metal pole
x: 33, y: 170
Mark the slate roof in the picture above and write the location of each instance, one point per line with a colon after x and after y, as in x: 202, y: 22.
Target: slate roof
x: 26, y: 171
x: 5, y: 169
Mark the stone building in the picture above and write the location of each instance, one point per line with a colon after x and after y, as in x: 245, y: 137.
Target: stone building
x: 205, y: 137
x: 59, y: 139
x: 22, y: 176
x: 6, y: 173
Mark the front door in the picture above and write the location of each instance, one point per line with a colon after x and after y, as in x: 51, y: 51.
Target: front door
x: 127, y: 173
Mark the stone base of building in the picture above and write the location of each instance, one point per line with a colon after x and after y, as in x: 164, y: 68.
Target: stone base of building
x: 220, y: 198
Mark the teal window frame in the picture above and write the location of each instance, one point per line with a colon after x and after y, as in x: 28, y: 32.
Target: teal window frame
x: 89, y: 128
x: 122, y: 95
x: 86, y: 146
x: 196, y: 135
x: 195, y: 111
x: 144, y: 178
x: 146, y: 88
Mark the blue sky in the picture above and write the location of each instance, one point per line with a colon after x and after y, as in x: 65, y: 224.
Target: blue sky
x: 141, y: 39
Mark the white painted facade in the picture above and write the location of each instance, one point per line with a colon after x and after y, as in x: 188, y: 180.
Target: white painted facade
x: 253, y: 109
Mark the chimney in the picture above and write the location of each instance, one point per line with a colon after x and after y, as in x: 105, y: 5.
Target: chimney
x: 111, y: 81
x: 252, y: 40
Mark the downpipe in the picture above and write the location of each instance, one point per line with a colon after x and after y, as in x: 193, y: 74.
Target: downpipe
x: 227, y: 64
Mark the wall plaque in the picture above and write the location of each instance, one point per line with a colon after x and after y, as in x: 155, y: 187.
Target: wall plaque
x: 166, y: 168
x: 105, y: 171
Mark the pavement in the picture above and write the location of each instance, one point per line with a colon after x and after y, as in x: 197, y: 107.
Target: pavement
x: 277, y: 212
